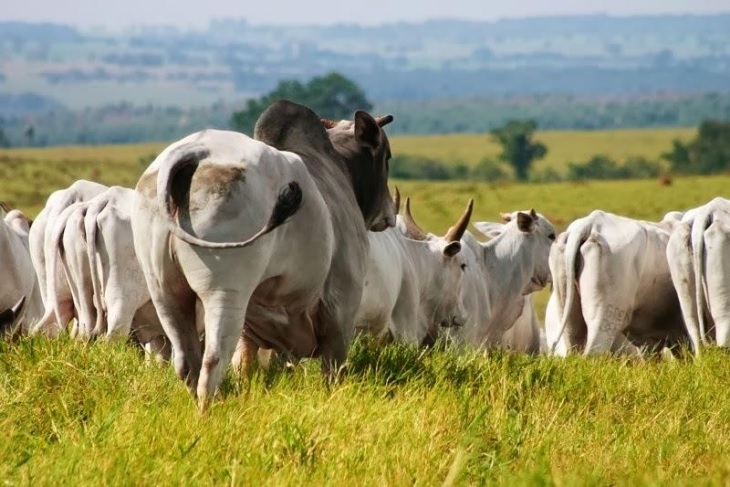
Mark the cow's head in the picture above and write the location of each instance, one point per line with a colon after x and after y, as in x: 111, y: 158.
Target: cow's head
x: 533, y: 235
x: 366, y: 151
x: 445, y: 304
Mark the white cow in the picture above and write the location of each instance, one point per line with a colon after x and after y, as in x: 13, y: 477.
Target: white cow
x: 698, y: 252
x: 620, y: 270
x: 499, y: 277
x: 19, y: 290
x: 41, y: 247
x: 279, y: 222
x: 110, y: 254
x: 121, y: 297
x: 413, y: 285
x: 65, y: 265
x: 526, y: 335
x: 107, y: 287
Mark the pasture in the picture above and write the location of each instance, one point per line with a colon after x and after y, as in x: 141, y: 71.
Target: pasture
x: 564, y: 146
x: 74, y: 413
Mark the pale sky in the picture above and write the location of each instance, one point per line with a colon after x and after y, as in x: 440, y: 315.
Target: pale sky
x: 117, y: 14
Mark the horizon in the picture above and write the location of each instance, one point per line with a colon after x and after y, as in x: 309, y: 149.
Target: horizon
x: 84, y: 14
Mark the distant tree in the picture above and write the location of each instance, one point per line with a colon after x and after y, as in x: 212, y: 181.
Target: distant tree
x: 678, y: 157
x: 707, y: 153
x: 29, y: 133
x: 490, y: 170
x: 331, y: 96
x: 4, y: 141
x: 518, y: 147
x: 597, y: 167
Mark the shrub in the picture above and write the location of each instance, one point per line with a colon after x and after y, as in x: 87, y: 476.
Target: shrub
x: 490, y: 170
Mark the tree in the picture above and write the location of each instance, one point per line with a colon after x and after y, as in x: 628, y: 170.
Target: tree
x: 678, y: 158
x: 518, y: 147
x: 708, y: 152
x: 4, y: 141
x: 29, y: 133
x: 331, y: 96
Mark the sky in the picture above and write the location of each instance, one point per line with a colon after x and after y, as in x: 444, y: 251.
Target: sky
x: 119, y: 14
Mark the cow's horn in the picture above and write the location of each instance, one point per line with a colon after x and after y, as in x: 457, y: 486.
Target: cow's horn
x: 396, y: 200
x: 384, y: 120
x: 457, y: 231
x: 5, y: 207
x: 414, y: 231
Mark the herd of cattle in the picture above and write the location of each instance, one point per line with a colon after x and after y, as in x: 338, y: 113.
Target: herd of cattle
x: 231, y: 247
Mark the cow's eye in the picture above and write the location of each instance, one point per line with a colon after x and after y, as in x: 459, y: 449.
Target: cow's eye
x: 551, y: 236
x: 463, y: 267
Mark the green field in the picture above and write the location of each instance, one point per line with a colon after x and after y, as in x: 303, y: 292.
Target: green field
x: 73, y: 413
x: 28, y: 175
x: 564, y: 146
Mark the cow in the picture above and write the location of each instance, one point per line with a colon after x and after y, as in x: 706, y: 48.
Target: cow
x: 413, y: 285
x: 612, y: 287
x: 41, y: 248
x: 62, y: 302
x: 20, y: 296
x: 514, y: 264
x: 525, y: 335
x: 697, y: 255
x: 121, y: 298
x: 107, y: 288
x: 279, y: 221
x: 500, y: 274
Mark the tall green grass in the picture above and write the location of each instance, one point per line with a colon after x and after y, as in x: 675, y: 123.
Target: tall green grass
x: 96, y: 414
x: 72, y: 413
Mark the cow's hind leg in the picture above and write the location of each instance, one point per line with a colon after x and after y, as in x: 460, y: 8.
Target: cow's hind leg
x: 679, y: 258
x: 119, y: 319
x: 177, y: 317
x: 225, y: 312
x: 244, y: 355
x: 333, y: 350
x: 602, y: 304
x: 717, y: 277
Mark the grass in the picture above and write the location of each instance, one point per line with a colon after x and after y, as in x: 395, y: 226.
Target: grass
x: 73, y: 413
x: 83, y: 414
x: 564, y: 146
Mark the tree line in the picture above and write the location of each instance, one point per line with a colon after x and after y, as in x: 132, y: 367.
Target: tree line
x: 336, y: 97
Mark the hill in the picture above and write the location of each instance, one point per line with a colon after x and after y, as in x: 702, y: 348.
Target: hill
x: 442, y: 58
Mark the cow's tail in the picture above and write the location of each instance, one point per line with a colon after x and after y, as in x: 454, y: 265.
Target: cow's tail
x: 92, y: 255
x: 700, y: 224
x: 575, y: 239
x: 10, y: 316
x: 287, y: 203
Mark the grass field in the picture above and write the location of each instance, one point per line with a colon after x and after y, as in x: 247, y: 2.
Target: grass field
x: 27, y: 175
x: 564, y: 146
x: 82, y: 414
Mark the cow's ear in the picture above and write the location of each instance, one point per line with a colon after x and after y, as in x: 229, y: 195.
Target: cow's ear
x: 525, y: 222
x: 451, y: 249
x: 489, y: 229
x: 506, y: 217
x: 367, y: 131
